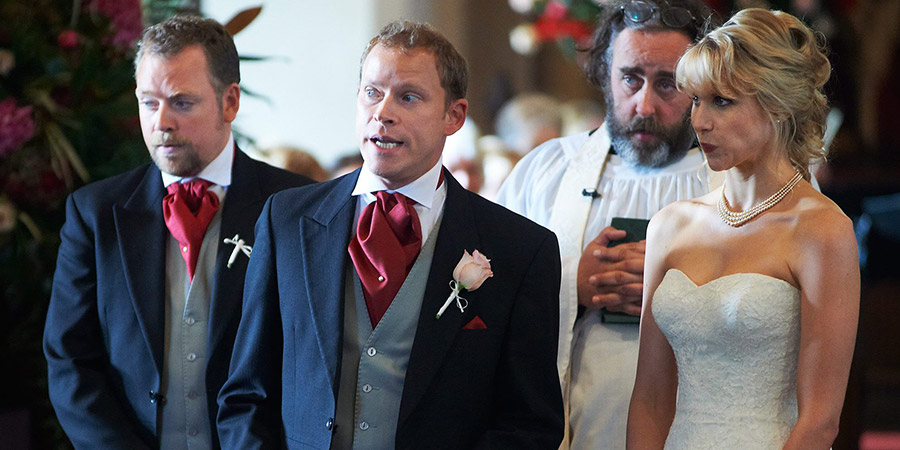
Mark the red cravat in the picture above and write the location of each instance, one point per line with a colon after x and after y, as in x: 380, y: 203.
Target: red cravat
x: 387, y: 242
x: 188, y: 210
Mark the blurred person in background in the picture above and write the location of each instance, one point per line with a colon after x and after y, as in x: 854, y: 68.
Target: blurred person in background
x: 581, y: 115
x: 497, y: 161
x: 346, y: 164
x: 528, y: 120
x: 523, y: 123
x: 462, y: 158
x: 295, y: 160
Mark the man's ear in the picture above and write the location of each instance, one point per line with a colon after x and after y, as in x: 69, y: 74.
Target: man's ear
x: 231, y: 102
x: 456, y: 116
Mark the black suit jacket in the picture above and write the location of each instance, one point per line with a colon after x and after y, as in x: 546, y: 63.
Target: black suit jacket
x: 495, y: 387
x: 105, y: 327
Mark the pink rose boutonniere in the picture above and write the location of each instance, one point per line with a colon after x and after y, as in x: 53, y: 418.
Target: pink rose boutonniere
x: 469, y: 274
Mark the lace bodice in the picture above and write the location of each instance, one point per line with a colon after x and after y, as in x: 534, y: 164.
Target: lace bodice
x: 736, y: 341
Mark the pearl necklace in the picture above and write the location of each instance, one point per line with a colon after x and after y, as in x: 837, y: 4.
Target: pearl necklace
x: 736, y: 219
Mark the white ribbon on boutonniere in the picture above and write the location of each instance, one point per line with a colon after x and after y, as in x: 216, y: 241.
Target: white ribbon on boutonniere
x: 239, y: 246
x: 469, y: 274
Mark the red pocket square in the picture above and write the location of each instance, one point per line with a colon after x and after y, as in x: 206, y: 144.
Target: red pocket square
x: 475, y: 324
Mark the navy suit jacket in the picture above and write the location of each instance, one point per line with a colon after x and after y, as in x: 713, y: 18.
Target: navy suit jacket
x: 105, y: 327
x: 494, y: 387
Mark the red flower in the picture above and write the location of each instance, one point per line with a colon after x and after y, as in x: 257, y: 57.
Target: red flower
x: 16, y: 126
x: 555, y: 11
x: 555, y: 24
x: 67, y: 39
x: 553, y: 30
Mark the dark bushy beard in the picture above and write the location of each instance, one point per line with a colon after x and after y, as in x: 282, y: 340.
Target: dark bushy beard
x: 673, y: 144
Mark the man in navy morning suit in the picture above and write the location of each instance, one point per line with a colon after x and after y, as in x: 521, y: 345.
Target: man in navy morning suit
x: 145, y: 305
x: 320, y: 363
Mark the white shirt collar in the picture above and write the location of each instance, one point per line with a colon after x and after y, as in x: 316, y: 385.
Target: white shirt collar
x: 422, y: 189
x: 218, y: 171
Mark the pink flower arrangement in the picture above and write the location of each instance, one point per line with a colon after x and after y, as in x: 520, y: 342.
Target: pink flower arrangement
x: 16, y: 126
x: 66, y: 108
x: 125, y: 16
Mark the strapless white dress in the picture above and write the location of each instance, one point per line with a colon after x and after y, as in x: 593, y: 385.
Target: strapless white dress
x: 736, y: 341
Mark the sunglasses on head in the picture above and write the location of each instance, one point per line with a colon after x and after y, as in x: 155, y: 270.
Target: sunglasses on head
x: 637, y: 11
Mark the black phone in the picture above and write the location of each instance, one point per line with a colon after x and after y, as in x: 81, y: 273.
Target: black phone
x: 635, y: 231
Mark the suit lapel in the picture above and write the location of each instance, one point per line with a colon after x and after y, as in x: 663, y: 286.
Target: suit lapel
x: 142, y: 233
x: 435, y: 336
x: 243, y: 202
x: 324, y: 236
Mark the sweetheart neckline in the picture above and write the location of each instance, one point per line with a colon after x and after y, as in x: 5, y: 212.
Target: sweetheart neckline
x: 686, y: 277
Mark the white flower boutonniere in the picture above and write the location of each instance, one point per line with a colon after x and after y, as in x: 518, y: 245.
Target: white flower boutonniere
x: 239, y: 246
x: 469, y: 274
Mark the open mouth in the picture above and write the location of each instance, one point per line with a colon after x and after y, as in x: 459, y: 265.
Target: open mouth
x: 385, y: 142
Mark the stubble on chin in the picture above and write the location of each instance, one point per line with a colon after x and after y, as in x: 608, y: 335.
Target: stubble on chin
x: 184, y: 164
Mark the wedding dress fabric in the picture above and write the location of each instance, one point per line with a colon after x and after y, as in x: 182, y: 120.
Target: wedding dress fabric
x: 736, y: 341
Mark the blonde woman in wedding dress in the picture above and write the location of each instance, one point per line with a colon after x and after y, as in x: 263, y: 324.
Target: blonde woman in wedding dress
x: 751, y: 293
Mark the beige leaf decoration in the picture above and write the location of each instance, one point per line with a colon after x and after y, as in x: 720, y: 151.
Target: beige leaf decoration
x: 242, y: 19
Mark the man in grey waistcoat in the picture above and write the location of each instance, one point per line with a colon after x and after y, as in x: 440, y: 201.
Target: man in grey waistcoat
x: 147, y: 291
x: 391, y: 308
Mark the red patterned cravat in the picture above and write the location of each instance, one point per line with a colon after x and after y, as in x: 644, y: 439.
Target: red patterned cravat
x: 388, y: 240
x: 188, y: 210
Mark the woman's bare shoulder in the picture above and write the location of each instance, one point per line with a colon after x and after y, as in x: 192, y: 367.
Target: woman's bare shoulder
x: 820, y: 218
x: 678, y: 216
x: 822, y: 238
x: 685, y: 210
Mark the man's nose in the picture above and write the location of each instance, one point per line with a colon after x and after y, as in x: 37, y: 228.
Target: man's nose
x: 165, y: 118
x: 384, y: 111
x: 646, y: 101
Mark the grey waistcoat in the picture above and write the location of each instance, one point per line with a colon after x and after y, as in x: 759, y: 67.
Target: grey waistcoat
x: 184, y: 420
x: 374, y: 362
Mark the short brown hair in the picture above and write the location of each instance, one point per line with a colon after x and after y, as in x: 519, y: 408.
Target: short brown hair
x: 170, y: 37
x: 405, y: 35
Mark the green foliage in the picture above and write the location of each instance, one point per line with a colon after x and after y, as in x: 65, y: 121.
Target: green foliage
x: 72, y: 66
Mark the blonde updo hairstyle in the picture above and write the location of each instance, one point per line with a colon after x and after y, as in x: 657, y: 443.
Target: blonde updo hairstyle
x: 774, y: 57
